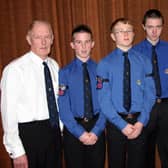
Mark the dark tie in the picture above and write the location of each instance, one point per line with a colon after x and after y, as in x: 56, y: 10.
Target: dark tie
x: 88, y: 107
x: 155, y: 72
x: 126, y: 83
x: 52, y: 107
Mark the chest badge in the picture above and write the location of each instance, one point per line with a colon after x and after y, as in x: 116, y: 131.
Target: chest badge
x: 138, y: 82
x: 62, y: 89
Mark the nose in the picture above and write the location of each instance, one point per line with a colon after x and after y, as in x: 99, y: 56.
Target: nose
x: 43, y: 41
x: 125, y: 33
x: 154, y: 30
x: 84, y: 45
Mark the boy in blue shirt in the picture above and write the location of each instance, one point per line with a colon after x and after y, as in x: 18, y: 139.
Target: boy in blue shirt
x: 153, y: 22
x: 125, y: 105
x: 83, y: 135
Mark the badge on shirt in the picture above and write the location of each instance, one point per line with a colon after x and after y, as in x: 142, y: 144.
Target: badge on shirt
x: 100, y: 82
x: 62, y: 89
x: 138, y: 82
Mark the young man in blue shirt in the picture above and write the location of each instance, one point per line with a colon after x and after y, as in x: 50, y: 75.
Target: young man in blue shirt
x: 83, y: 134
x: 127, y: 114
x: 157, y: 127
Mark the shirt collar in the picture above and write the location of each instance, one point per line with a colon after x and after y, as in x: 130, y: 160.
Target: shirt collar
x: 120, y: 52
x: 37, y: 59
x: 79, y: 62
x: 149, y: 44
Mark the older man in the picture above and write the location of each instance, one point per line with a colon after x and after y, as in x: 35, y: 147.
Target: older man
x: 29, y: 111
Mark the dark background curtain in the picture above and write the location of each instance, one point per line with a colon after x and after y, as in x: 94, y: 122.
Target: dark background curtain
x: 16, y: 15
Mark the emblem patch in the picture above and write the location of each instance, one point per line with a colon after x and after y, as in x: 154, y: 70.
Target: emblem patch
x: 138, y: 82
x: 62, y: 89
x: 100, y: 82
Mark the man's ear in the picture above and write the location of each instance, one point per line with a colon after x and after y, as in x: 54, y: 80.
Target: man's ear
x: 28, y: 39
x: 93, y: 44
x: 72, y: 45
x: 113, y: 36
x: 143, y: 27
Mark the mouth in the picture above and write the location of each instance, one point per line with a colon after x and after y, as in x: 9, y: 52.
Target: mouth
x: 43, y: 48
x: 84, y: 52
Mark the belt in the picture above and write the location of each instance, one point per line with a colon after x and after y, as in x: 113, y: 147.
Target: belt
x: 85, y: 120
x: 130, y: 115
x: 35, y: 122
x: 160, y: 100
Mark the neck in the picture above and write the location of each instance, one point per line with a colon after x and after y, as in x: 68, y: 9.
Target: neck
x: 124, y: 49
x: 153, y: 42
x: 83, y: 59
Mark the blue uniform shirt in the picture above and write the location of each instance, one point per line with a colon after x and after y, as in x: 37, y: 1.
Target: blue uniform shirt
x: 71, y: 99
x: 145, y: 47
x: 110, y: 95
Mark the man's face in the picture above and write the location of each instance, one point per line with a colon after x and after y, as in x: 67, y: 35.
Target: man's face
x: 153, y: 28
x: 123, y: 35
x: 40, y: 39
x: 82, y: 45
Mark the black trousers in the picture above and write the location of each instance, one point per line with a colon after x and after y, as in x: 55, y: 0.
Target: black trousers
x: 42, y: 144
x: 122, y: 152
x: 157, y: 133
x: 78, y: 155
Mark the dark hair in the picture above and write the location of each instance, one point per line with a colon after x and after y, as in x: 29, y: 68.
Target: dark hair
x: 82, y: 28
x: 122, y: 20
x: 152, y: 13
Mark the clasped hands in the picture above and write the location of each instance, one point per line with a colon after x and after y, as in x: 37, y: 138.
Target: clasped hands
x: 132, y: 131
x: 88, y: 138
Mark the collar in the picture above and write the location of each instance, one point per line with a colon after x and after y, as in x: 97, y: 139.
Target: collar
x: 149, y: 44
x: 79, y: 62
x: 35, y: 58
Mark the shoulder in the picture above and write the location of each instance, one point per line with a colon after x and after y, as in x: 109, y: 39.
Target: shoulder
x: 67, y: 68
x: 53, y: 63
x: 139, y: 45
x: 138, y: 54
x: 92, y: 63
x: 163, y: 43
x: 108, y: 58
x: 16, y: 68
x: 18, y: 63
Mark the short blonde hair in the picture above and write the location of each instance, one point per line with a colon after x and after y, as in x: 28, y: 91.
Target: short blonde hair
x: 121, y: 20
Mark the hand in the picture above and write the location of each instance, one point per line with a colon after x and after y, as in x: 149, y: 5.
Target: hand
x: 138, y: 126
x: 128, y: 130
x: 20, y: 162
x: 84, y: 138
x: 92, y: 138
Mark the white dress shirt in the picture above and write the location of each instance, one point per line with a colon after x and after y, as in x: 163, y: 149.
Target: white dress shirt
x: 23, y: 97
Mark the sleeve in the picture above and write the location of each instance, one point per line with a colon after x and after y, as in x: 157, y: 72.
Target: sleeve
x: 10, y: 91
x: 105, y: 97
x: 100, y: 124
x: 64, y: 103
x: 149, y: 93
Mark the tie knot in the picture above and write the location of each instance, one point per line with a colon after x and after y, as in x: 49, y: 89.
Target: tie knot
x: 153, y: 47
x: 45, y: 64
x: 84, y: 65
x: 125, y: 54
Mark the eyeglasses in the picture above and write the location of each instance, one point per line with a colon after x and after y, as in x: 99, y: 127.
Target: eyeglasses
x: 123, y: 32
